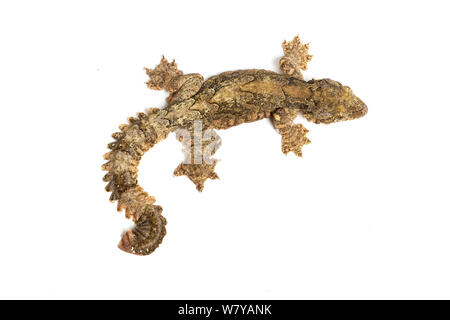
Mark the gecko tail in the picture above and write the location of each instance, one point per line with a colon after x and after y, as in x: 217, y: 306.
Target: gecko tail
x: 147, y: 234
x: 135, y: 138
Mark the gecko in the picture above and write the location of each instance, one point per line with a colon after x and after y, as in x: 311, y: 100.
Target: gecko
x: 197, y: 108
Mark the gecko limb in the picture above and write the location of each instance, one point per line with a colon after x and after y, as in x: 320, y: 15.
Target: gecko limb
x: 184, y: 86
x: 295, y: 58
x: 166, y: 76
x: 198, y: 146
x: 293, y: 136
x: 161, y: 76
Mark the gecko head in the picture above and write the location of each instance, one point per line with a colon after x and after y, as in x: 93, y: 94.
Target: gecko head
x: 333, y: 102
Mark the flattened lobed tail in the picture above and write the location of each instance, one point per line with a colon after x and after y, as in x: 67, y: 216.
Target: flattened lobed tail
x: 134, y: 139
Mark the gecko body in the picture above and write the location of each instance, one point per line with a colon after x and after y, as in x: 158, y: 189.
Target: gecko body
x: 196, y: 108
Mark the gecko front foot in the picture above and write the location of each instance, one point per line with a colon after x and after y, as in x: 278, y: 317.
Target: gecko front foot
x: 293, y: 139
x: 293, y: 136
x: 197, y: 173
x: 295, y: 58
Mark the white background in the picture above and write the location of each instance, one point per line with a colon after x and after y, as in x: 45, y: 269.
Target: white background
x: 364, y: 214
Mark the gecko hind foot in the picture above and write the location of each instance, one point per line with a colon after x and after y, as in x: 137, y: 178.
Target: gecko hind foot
x: 197, y: 173
x: 161, y: 76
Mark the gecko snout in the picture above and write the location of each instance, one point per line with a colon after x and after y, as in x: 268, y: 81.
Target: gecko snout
x: 359, y: 109
x: 334, y: 102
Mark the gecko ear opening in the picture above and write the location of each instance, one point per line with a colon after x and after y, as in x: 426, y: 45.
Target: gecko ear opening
x: 161, y: 76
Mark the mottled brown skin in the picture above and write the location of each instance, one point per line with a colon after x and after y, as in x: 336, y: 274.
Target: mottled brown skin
x: 223, y: 101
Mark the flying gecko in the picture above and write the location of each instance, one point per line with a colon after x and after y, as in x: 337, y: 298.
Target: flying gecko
x: 196, y: 108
